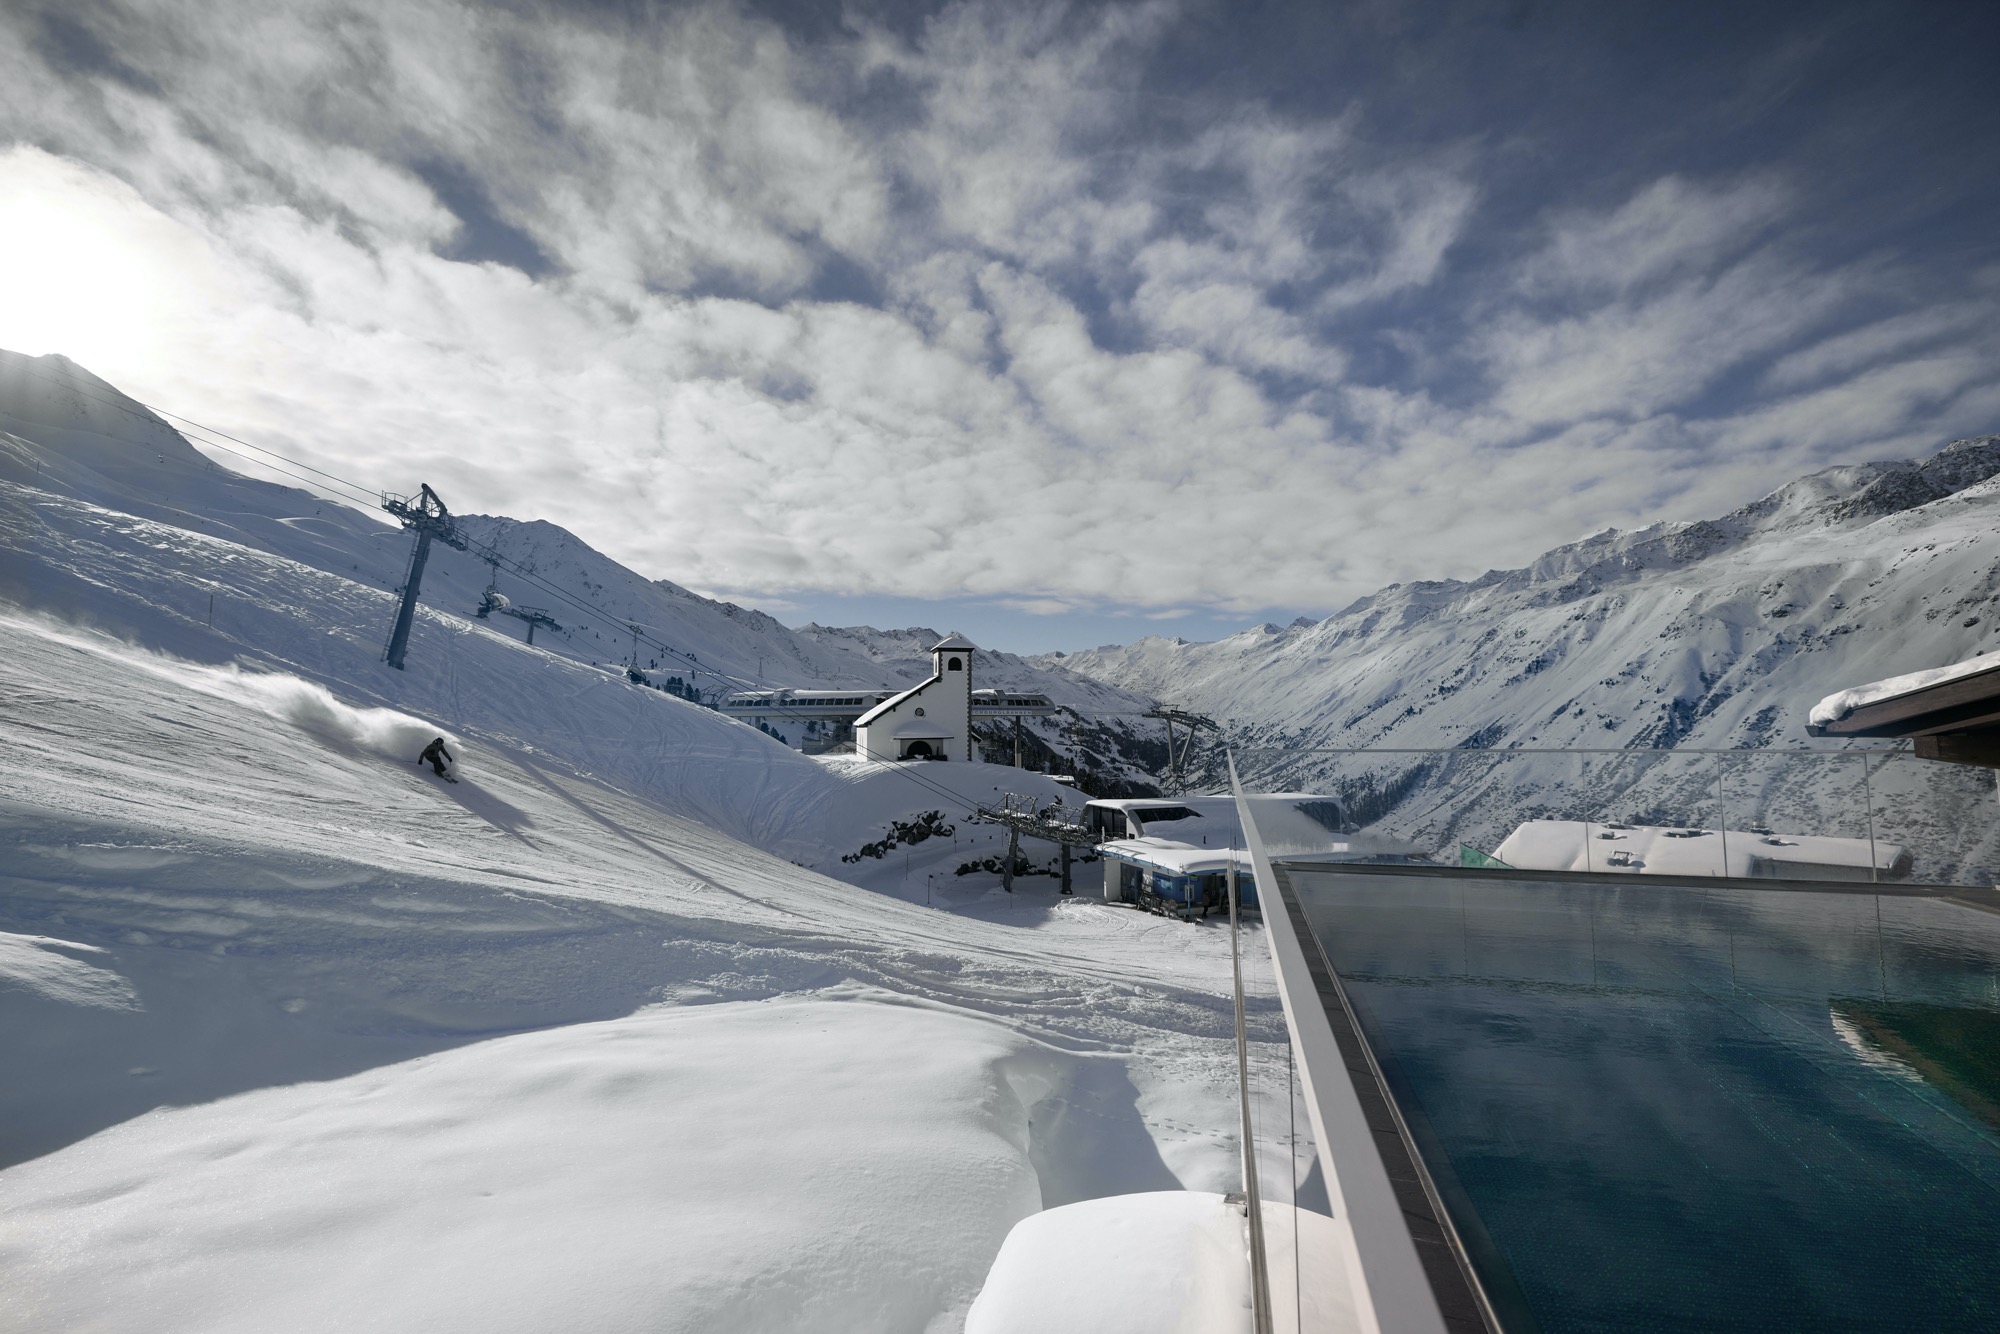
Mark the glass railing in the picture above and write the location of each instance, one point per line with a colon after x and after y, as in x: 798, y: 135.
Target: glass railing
x: 1293, y: 1200
x: 1877, y: 815
x: 1746, y: 1088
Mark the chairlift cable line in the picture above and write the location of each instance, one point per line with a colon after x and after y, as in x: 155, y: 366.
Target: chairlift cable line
x: 246, y: 444
x: 206, y: 431
x: 372, y: 497
x: 484, y: 551
x: 262, y: 463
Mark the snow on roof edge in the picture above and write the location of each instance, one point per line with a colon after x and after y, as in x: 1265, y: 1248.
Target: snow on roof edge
x: 1841, y: 703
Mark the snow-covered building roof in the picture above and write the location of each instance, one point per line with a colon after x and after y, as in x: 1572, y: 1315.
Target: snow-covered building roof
x: 1913, y: 698
x: 1165, y: 854
x: 1576, y: 845
x: 1140, y: 805
x: 1194, y: 821
x: 954, y: 640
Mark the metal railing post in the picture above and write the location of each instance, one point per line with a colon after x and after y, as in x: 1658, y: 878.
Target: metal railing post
x: 1868, y: 804
x: 1722, y: 817
x: 1260, y: 1276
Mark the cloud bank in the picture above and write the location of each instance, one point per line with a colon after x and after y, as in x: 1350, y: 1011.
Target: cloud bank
x: 1030, y: 303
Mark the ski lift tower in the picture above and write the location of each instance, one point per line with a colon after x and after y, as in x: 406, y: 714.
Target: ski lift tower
x: 1021, y: 816
x: 493, y: 600
x: 532, y: 617
x: 425, y: 515
x: 1177, y: 759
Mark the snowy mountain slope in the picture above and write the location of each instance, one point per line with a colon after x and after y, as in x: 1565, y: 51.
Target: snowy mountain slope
x: 297, y: 1032
x: 65, y: 431
x: 1716, y: 633
x: 229, y: 897
x: 222, y: 589
x: 76, y: 435
x: 152, y: 584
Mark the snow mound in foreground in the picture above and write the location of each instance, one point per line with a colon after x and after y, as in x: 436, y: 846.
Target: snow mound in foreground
x: 616, y: 1175
x: 1160, y: 1260
x: 1164, y: 1260
x: 40, y: 966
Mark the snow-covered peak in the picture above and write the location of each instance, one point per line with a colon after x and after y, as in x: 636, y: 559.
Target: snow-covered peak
x: 1713, y: 632
x: 1835, y: 497
x: 54, y: 392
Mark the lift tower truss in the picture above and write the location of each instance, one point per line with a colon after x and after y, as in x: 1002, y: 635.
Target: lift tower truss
x: 1054, y: 823
x: 426, y: 516
x: 1177, y: 759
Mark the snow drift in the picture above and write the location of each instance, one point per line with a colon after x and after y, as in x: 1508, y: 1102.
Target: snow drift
x: 746, y: 1168
x: 46, y: 967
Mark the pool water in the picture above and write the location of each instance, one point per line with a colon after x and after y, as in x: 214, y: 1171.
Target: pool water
x: 1660, y: 1108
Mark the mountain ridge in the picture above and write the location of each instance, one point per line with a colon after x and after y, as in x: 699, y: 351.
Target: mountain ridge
x: 69, y: 432
x: 1641, y: 638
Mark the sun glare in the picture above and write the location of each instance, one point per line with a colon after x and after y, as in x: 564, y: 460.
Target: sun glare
x: 86, y: 269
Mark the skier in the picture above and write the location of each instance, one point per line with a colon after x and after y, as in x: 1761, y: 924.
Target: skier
x: 435, y: 755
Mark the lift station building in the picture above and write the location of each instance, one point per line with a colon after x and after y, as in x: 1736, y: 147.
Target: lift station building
x: 931, y: 720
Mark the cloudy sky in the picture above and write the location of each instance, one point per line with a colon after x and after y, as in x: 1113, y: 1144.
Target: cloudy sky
x: 1060, y: 324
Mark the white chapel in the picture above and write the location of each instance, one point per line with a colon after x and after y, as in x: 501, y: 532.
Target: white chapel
x: 930, y: 721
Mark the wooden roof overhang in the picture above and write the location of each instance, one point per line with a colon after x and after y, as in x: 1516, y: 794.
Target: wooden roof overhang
x: 1956, y: 720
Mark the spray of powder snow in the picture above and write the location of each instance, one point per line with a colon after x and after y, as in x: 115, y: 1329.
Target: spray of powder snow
x: 306, y: 705
x: 311, y: 707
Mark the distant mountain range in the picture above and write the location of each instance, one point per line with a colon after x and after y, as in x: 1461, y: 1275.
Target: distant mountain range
x: 1719, y: 632
x: 1715, y: 633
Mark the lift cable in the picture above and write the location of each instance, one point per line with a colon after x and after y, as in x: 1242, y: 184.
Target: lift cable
x: 484, y: 551
x: 152, y: 415
x: 373, y: 499
x: 210, y: 430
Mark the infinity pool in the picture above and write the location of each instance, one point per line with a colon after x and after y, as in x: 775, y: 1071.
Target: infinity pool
x: 1658, y: 1108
